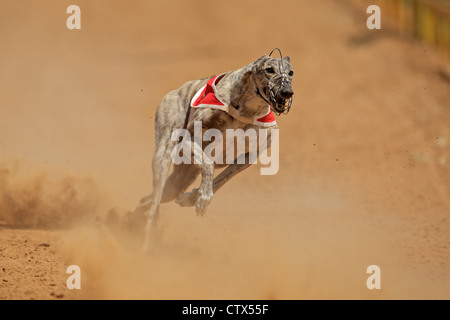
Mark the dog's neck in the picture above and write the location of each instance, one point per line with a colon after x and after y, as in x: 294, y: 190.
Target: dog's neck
x: 240, y: 92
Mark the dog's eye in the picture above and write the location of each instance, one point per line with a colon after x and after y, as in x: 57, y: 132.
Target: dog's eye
x: 291, y: 73
x: 270, y: 70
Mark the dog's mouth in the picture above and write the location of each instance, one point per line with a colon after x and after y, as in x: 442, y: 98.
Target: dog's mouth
x: 278, y: 104
x: 281, y: 105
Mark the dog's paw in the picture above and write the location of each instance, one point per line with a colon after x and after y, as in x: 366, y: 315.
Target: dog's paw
x: 202, y: 203
x: 187, y: 199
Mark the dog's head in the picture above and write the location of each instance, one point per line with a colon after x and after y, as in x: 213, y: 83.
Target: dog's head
x: 273, y: 79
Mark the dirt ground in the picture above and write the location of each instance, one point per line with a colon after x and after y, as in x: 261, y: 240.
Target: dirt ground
x: 364, y: 154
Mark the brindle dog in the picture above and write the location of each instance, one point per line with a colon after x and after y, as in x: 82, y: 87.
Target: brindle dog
x: 250, y: 92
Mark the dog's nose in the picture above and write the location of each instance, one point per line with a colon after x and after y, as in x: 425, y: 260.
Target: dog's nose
x: 286, y: 93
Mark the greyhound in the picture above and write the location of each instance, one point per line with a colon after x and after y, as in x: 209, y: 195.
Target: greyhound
x: 242, y: 99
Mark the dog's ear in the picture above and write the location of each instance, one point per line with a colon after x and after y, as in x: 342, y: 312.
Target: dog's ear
x: 258, y: 62
x: 265, y: 56
x: 262, y: 58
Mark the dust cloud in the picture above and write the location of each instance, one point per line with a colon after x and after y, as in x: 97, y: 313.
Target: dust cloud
x: 43, y: 200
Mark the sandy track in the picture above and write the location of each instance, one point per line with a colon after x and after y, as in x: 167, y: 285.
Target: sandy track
x: 364, y: 155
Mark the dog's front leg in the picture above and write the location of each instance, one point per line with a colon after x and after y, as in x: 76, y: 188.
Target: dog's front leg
x: 188, y: 199
x: 205, y: 191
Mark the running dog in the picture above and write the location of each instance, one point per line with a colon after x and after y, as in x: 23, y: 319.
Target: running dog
x: 242, y: 99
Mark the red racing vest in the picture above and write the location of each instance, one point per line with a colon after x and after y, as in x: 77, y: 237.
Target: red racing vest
x: 207, y: 97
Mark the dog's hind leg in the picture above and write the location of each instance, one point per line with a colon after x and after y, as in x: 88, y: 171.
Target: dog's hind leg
x: 161, y: 165
x: 168, y: 118
x: 180, y: 179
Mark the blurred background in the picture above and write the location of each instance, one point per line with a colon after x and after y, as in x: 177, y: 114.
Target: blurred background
x: 364, y: 151
x: 425, y: 20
